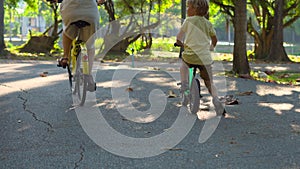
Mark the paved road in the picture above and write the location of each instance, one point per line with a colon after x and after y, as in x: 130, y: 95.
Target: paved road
x: 42, y: 128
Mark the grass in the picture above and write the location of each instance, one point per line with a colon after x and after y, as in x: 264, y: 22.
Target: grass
x: 292, y: 78
x: 284, y: 77
x: 163, y: 50
x: 295, y: 58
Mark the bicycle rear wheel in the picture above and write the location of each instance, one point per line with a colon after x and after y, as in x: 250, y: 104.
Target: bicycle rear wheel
x: 194, y: 96
x: 80, y: 87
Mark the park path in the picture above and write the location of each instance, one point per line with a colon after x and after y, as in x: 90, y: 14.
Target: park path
x: 40, y: 128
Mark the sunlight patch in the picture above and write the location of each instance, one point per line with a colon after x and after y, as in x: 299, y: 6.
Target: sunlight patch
x: 278, y: 107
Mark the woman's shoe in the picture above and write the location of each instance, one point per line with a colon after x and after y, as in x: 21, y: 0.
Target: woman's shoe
x: 62, y: 62
x: 91, y: 85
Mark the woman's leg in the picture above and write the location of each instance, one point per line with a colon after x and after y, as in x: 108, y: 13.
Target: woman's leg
x: 67, y: 43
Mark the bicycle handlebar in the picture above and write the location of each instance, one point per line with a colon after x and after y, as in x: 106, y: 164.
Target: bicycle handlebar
x: 176, y: 44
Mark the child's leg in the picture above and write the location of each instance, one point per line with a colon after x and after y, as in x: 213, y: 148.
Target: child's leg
x: 206, y: 75
x: 184, y: 75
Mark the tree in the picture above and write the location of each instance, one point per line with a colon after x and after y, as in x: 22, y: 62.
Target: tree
x: 2, y: 44
x: 10, y: 4
x: 277, y: 51
x: 140, y: 20
x: 262, y: 27
x: 236, y: 10
x: 260, y: 24
x: 44, y: 43
x: 240, y: 61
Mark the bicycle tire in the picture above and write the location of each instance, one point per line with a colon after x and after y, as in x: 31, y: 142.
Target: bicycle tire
x: 194, y: 96
x: 80, y: 88
x: 199, y: 87
x: 70, y: 76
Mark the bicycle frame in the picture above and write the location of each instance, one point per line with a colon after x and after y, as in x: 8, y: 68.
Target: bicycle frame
x: 192, y: 95
x: 76, y: 50
x: 80, y: 65
x: 191, y: 76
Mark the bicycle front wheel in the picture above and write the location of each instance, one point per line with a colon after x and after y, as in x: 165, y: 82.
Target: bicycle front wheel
x: 80, y: 87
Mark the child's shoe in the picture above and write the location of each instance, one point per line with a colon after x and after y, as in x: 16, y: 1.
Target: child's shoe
x: 220, y: 110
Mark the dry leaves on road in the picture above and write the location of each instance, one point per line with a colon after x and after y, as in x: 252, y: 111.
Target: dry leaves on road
x: 171, y: 94
x: 247, y: 93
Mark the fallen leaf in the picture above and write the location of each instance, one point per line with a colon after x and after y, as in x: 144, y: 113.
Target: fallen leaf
x: 171, y: 94
x: 233, y: 142
x: 247, y: 93
x: 43, y: 75
x: 173, y: 149
x: 229, y: 100
x: 232, y: 102
x: 284, y: 76
x: 245, y: 76
x: 295, y: 128
x: 129, y: 89
x: 270, y: 72
x: 270, y: 81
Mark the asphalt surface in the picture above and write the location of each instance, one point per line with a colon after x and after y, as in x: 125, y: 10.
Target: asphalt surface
x: 41, y: 126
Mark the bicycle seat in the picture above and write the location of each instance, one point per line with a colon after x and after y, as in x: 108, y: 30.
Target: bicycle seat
x: 80, y: 24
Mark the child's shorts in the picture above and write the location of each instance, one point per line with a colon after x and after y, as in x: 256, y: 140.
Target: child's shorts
x: 205, y: 70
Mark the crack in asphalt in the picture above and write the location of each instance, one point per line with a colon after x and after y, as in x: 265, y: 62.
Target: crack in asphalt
x: 82, y: 150
x: 33, y: 114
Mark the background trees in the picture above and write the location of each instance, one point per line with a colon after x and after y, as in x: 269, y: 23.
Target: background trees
x: 2, y: 45
x: 261, y: 24
x: 44, y: 42
x: 142, y: 15
x: 261, y: 21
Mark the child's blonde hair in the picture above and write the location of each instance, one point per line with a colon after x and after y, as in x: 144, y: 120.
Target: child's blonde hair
x: 201, y: 6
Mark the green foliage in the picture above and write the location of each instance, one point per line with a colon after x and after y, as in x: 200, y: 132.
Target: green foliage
x: 296, y: 26
x: 282, y: 77
x: 285, y: 77
x: 165, y: 44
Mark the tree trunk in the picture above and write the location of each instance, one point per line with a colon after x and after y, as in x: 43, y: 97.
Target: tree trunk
x: 45, y: 42
x: 2, y: 44
x: 119, y: 37
x: 240, y: 61
x: 277, y: 51
x: 39, y: 44
x: 262, y: 46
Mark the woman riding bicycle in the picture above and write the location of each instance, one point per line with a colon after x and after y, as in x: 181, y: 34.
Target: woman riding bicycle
x: 72, y: 11
x: 198, y: 37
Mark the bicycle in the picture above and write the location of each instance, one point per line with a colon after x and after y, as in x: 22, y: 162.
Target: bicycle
x: 191, y: 96
x: 78, y: 66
